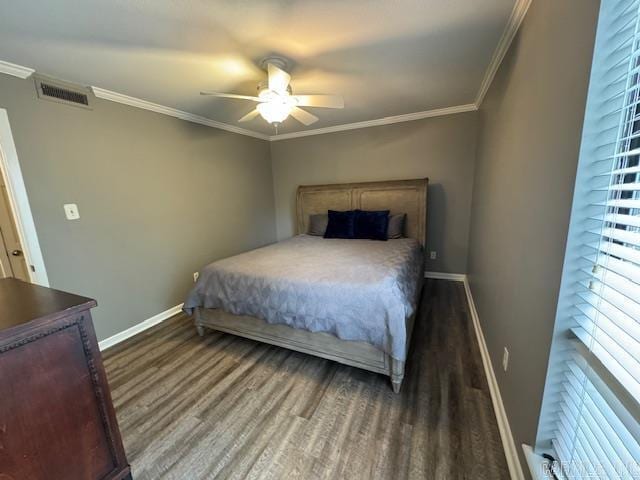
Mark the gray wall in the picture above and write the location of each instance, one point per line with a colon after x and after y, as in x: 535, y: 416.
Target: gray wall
x: 158, y: 198
x: 528, y: 141
x: 441, y: 148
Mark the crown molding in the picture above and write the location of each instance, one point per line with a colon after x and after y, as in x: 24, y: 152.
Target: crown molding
x: 408, y: 117
x: 15, y: 70
x: 172, y: 112
x: 513, y: 24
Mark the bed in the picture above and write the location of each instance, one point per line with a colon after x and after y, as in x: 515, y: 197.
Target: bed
x: 351, y: 301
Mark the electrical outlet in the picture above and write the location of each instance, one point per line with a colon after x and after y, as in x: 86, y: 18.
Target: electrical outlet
x: 195, y: 276
x: 71, y: 211
x: 433, y: 255
x: 505, y: 359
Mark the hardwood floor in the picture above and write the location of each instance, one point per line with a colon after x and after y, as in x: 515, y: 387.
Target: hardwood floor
x: 226, y: 407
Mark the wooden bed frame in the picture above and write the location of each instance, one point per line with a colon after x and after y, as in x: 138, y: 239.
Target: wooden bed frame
x: 399, y: 196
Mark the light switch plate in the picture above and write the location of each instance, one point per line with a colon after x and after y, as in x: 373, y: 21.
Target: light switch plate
x: 71, y: 211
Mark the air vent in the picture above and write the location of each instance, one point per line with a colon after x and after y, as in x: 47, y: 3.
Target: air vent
x: 62, y: 92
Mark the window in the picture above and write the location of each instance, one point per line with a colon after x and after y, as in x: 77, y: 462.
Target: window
x: 590, y: 420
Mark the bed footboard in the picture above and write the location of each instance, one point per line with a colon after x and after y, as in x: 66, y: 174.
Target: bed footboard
x: 320, y: 344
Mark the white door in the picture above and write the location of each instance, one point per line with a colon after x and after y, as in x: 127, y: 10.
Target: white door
x: 12, y: 262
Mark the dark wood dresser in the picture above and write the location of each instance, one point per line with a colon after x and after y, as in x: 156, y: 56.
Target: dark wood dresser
x: 56, y: 416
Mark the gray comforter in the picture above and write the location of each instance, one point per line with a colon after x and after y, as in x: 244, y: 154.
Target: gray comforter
x: 360, y: 290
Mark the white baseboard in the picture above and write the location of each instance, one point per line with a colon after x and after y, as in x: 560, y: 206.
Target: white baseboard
x: 140, y: 327
x: 510, y: 450
x: 458, y: 277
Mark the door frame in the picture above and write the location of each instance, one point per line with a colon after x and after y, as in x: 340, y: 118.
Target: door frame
x: 19, y: 203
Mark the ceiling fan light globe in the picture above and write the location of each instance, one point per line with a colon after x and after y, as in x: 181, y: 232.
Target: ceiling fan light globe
x: 274, y: 112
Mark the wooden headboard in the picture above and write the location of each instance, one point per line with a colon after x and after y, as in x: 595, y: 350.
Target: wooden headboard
x: 399, y: 196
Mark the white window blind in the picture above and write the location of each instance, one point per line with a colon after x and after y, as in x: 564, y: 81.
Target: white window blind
x: 590, y: 422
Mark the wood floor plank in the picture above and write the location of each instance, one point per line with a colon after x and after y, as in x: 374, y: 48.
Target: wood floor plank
x: 227, y: 407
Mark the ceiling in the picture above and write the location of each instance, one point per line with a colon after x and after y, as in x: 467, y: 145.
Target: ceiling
x: 385, y: 57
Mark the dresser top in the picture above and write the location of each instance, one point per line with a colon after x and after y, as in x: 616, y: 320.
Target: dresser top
x: 22, y: 302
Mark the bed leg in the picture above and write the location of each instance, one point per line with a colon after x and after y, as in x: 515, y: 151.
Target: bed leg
x: 397, y: 375
x: 396, y: 384
x: 196, y: 321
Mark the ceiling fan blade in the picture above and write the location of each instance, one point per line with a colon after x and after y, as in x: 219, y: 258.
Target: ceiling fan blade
x: 232, y: 95
x: 250, y: 116
x: 303, y: 116
x: 324, y: 101
x: 278, y: 79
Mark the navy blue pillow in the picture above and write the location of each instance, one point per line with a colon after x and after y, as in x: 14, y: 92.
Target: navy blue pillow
x: 371, y: 225
x: 341, y: 224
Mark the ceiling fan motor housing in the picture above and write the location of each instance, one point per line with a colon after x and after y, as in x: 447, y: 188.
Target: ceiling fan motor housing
x: 264, y: 86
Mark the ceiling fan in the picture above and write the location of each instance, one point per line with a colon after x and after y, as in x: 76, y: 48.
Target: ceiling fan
x: 276, y: 101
